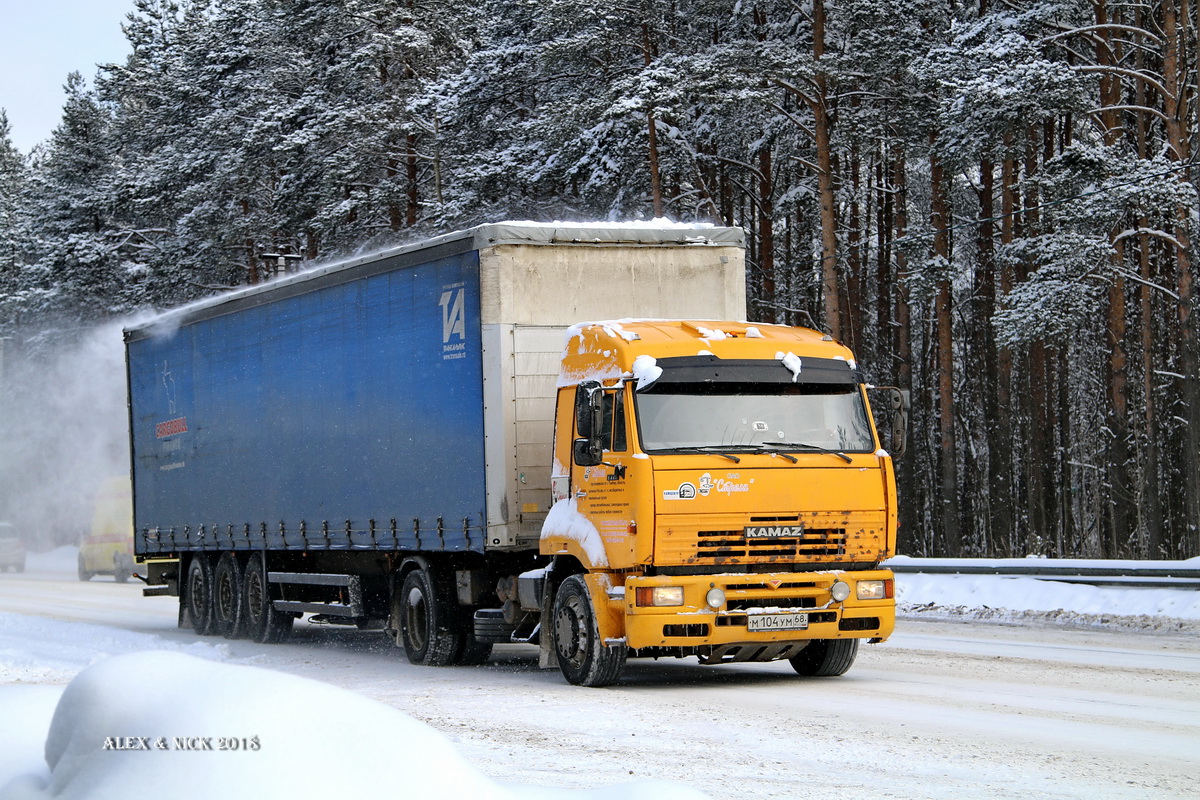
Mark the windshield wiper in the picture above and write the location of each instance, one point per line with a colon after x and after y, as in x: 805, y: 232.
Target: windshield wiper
x: 714, y: 449
x: 813, y: 447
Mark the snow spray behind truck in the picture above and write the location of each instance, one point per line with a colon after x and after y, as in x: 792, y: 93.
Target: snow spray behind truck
x: 429, y: 441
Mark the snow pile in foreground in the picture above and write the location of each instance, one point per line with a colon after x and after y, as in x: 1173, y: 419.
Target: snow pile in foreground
x: 184, y: 727
x: 1021, y: 599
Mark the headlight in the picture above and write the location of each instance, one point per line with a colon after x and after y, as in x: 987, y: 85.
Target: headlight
x: 659, y: 595
x: 839, y: 591
x: 715, y: 598
x: 874, y: 590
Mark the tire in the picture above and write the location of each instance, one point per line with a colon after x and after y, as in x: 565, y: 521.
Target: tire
x: 825, y: 658
x: 84, y: 574
x: 426, y: 620
x: 470, y: 652
x: 121, y: 572
x: 229, y: 598
x: 262, y: 621
x: 199, y: 594
x: 582, y: 657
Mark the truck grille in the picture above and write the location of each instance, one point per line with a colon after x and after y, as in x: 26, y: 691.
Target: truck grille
x: 735, y: 544
x: 719, y: 540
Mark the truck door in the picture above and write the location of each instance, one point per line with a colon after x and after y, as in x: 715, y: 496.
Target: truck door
x: 601, y: 491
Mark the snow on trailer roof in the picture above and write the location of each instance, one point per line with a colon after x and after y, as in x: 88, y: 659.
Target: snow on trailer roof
x: 650, y: 233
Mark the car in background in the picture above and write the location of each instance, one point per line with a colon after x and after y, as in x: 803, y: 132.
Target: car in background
x: 108, y: 547
x: 12, y: 549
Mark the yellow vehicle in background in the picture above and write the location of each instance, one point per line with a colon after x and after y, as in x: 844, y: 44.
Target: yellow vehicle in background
x: 108, y: 548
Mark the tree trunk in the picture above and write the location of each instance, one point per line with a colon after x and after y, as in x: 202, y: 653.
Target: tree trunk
x: 766, y: 235
x: 1175, y: 83
x: 823, y: 129
x: 939, y: 220
x: 996, y: 515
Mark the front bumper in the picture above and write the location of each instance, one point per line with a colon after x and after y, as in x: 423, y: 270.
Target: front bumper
x: 790, y: 598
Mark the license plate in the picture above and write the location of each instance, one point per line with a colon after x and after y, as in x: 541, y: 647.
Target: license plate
x: 774, y: 531
x: 777, y: 622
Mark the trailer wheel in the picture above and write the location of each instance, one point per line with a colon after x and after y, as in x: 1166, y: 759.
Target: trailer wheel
x: 84, y: 574
x: 825, y: 658
x: 199, y: 594
x: 582, y: 657
x: 425, y: 618
x: 263, y: 622
x: 228, y: 600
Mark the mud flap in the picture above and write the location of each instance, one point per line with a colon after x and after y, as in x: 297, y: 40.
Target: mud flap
x: 547, y: 655
x: 609, y: 610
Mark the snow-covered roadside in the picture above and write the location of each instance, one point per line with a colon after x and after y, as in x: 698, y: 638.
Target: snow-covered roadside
x: 1024, y: 600
x: 194, y: 721
x: 516, y: 723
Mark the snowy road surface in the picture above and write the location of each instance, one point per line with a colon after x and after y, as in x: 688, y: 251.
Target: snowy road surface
x: 942, y: 710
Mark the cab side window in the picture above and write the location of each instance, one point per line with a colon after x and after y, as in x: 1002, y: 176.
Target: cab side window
x: 613, y: 437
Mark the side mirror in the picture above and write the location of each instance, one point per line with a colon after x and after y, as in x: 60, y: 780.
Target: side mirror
x: 587, y: 409
x: 587, y: 452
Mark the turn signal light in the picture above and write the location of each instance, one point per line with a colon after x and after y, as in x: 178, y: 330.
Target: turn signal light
x: 659, y: 595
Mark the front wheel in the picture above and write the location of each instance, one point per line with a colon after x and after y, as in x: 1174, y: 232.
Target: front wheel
x: 582, y: 657
x: 84, y: 573
x: 825, y: 658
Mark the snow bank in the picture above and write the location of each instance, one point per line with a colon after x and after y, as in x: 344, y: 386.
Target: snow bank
x: 1014, y: 599
x: 181, y: 727
x: 219, y: 730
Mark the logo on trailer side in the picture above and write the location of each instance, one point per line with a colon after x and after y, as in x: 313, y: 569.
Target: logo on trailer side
x: 454, y: 323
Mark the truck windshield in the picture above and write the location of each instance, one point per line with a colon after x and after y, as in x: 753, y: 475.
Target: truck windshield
x: 742, y: 417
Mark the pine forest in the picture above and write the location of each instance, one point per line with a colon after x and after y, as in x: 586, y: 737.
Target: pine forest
x: 992, y: 202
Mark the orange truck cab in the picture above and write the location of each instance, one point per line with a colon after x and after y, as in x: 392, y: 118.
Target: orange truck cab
x: 720, y: 491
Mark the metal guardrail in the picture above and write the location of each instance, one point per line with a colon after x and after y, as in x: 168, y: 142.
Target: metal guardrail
x: 1144, y: 574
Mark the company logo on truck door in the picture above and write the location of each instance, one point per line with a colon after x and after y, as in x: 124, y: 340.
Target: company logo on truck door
x: 730, y: 484
x: 686, y: 491
x: 454, y: 324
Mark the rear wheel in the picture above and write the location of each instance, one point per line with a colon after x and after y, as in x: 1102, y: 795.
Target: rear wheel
x: 199, y: 594
x: 84, y: 573
x: 121, y: 570
x: 424, y: 615
x: 228, y: 600
x: 263, y: 622
x: 583, y: 658
x: 824, y: 658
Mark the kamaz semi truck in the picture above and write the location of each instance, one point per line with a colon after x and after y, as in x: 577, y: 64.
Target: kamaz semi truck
x: 558, y: 435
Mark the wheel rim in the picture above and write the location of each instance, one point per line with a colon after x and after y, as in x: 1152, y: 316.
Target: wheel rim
x: 196, y: 589
x: 254, y: 597
x: 570, y: 632
x: 225, y: 596
x: 415, y: 611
